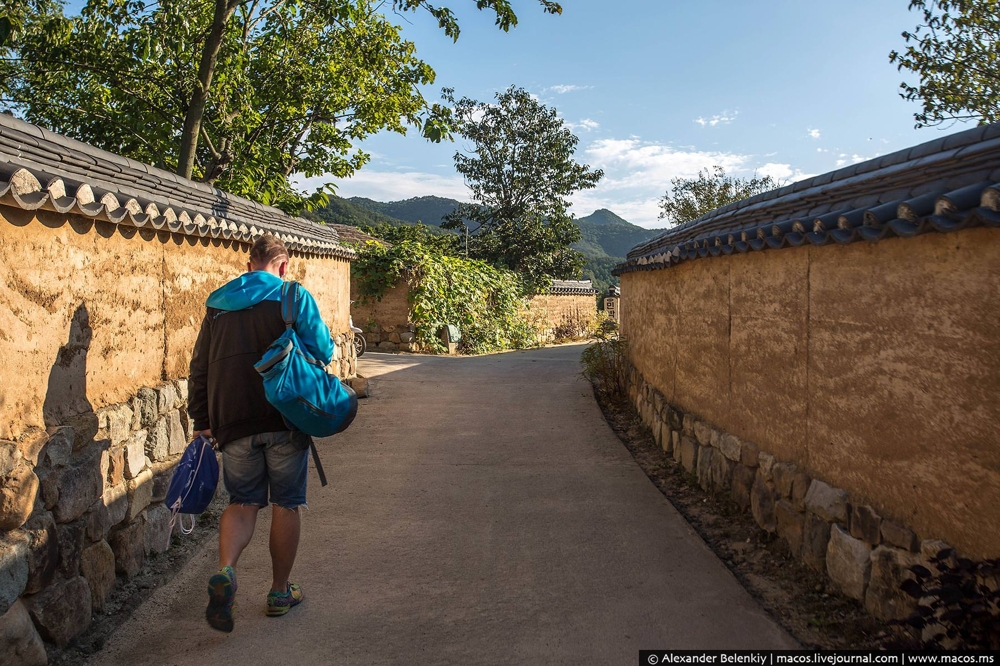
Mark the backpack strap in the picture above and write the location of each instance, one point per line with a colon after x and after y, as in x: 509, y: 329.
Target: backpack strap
x: 289, y: 303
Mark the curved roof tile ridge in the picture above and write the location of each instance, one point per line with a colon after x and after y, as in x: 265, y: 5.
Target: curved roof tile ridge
x: 40, y: 169
x: 943, y: 185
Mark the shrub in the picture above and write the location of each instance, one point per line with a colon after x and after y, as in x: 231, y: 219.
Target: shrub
x: 604, y: 364
x: 486, y: 303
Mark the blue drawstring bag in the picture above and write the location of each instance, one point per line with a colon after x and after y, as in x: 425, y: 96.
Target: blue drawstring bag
x: 307, y: 396
x: 193, y: 484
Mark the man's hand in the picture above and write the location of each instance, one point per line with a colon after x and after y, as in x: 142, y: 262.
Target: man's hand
x: 207, y: 434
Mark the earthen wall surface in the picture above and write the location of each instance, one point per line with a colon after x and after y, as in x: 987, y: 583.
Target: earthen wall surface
x: 563, y: 315
x: 97, y: 325
x: 873, y: 367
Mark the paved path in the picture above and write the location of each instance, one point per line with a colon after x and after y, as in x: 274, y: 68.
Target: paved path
x: 479, y: 511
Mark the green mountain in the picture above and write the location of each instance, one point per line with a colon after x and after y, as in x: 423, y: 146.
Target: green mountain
x: 425, y: 210
x: 605, y: 238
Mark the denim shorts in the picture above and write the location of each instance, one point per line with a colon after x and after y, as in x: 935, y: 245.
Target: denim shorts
x: 274, y: 464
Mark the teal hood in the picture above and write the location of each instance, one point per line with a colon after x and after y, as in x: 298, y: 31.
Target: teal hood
x: 246, y: 291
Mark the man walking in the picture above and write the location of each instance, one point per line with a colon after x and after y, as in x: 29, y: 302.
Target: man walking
x: 263, y: 461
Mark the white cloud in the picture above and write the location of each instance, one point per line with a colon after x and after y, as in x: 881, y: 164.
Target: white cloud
x: 587, y: 125
x: 853, y: 159
x: 723, y: 118
x: 563, y: 89
x: 391, y: 185
x: 783, y: 173
x: 814, y: 133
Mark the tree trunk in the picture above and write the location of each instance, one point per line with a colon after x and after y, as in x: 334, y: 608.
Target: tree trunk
x: 199, y: 97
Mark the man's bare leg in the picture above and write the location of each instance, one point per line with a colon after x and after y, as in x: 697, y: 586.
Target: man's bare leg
x: 284, y: 544
x: 235, y: 531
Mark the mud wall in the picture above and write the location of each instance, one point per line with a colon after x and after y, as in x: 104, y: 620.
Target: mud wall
x: 97, y: 324
x: 142, y: 296
x: 874, y: 368
x: 386, y: 322
x: 558, y: 316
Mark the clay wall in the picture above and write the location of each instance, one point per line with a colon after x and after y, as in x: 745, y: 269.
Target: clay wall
x: 560, y: 316
x: 872, y: 367
x: 385, y: 322
x: 97, y: 325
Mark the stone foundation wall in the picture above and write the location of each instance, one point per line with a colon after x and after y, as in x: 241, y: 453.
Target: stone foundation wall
x: 866, y: 556
x: 386, y: 323
x: 873, y: 367
x: 561, y: 316
x: 97, y: 324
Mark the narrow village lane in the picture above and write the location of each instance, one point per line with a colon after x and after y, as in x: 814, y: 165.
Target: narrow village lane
x: 480, y: 511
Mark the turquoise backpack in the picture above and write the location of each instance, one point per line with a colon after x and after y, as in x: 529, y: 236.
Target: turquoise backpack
x: 308, y: 397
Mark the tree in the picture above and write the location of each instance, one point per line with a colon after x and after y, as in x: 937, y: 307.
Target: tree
x: 431, y: 238
x: 956, y: 54
x: 520, y: 172
x: 237, y: 93
x: 690, y: 198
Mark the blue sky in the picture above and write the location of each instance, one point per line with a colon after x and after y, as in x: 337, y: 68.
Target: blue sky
x: 657, y: 89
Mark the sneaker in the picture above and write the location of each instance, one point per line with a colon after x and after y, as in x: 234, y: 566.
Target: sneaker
x: 278, y: 604
x: 221, y: 598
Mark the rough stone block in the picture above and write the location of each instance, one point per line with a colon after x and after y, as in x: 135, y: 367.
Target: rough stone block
x: 703, y: 433
x: 762, y: 504
x: 766, y: 462
x: 848, y: 563
x: 10, y: 456
x: 144, y: 408
x: 140, y: 494
x: 815, y: 540
x: 889, y: 568
x: 18, y: 490
x: 743, y: 478
x: 687, y: 426
x: 59, y: 448
x: 84, y: 428
x: 31, y: 447
x: 119, y: 423
x: 19, y: 640
x: 135, y: 454
x: 14, y: 554
x: 731, y: 447
x: 43, y: 551
x: 782, y: 475
x: 158, y: 441
x: 116, y: 466
x: 689, y: 453
x: 407, y: 337
x: 62, y: 610
x: 97, y: 564
x: 705, y: 455
x: 386, y: 345
x: 800, y: 486
x: 107, y: 512
x: 72, y: 540
x: 898, y: 536
x: 175, y: 434
x: 790, y: 526
x: 79, y: 486
x: 666, y: 439
x: 166, y: 398
x: 675, y: 445
x: 182, y: 391
x: 722, y: 472
x: 932, y: 548
x: 865, y: 524
x: 658, y: 403
x: 48, y: 482
x: 827, y: 502
x: 748, y: 454
x: 157, y: 529
x: 129, y: 546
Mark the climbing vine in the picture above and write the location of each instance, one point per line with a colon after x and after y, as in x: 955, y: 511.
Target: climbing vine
x: 485, y: 303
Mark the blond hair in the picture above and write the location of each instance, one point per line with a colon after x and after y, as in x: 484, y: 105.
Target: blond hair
x: 267, y: 249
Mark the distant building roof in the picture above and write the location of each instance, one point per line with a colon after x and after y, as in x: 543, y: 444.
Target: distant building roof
x: 40, y: 169
x: 940, y: 186
x: 581, y: 287
x: 355, y: 237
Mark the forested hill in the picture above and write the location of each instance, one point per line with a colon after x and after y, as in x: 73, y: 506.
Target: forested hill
x: 426, y: 210
x: 605, y: 238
